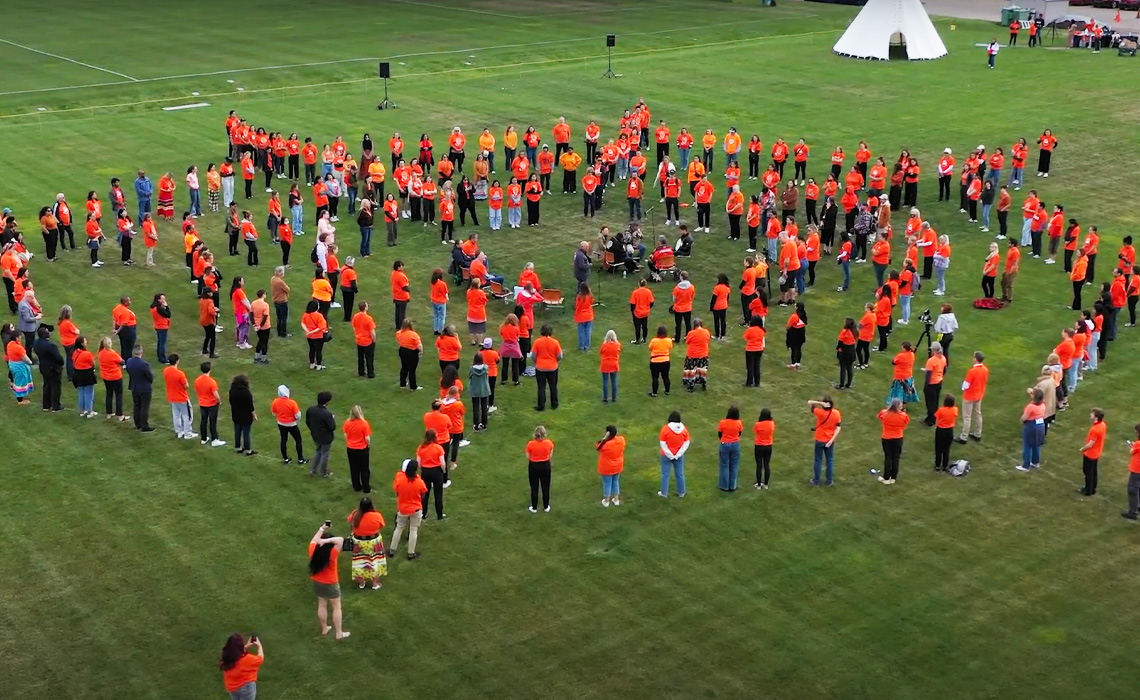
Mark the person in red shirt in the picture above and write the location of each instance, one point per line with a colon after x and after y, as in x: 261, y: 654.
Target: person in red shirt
x: 828, y: 426
x: 1092, y: 450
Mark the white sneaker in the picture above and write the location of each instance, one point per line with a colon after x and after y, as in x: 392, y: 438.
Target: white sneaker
x: 985, y: 229
x: 268, y: 189
x: 903, y: 323
x: 605, y: 503
x: 1050, y: 262
x: 939, y: 293
x: 218, y: 443
x: 546, y: 509
x: 334, y: 305
x: 662, y: 495
x: 532, y: 509
x: 335, y: 218
x: 492, y: 409
x: 447, y: 484
x: 190, y: 436
x: 180, y: 435
x: 661, y: 201
x: 749, y: 250
x: 1022, y: 468
x: 464, y: 443
x: 999, y: 237
x: 218, y: 329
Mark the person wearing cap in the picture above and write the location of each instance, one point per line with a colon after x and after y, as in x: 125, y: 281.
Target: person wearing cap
x: 945, y: 173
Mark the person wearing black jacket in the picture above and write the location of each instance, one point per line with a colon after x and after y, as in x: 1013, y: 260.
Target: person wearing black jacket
x: 243, y: 413
x: 51, y: 369
x: 140, y: 381
x: 467, y: 202
x: 322, y: 428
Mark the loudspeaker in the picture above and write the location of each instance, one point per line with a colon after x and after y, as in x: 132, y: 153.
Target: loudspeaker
x: 385, y: 70
x: 611, y: 40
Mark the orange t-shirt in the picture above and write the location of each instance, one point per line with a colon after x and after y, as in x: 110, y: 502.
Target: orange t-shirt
x: 672, y: 439
x: 316, y: 323
x: 546, y: 352
x: 904, y: 365
x: 362, y: 327
x: 448, y: 347
x: 243, y: 671
x: 976, y: 377
x: 583, y: 308
x: 399, y: 281
x: 730, y: 430
x: 110, y: 365
x: 177, y: 388
x: 659, y: 349
x: 329, y: 573
x: 611, y: 456
x: 206, y: 387
x: 946, y: 417
x: 642, y: 300
x: 285, y: 410
x: 894, y: 423
x: 439, y: 292
x: 697, y: 342
x: 409, y: 493
x: 431, y: 456
x: 539, y: 450
x: 936, y: 365
x: 611, y: 354
x: 1096, y: 436
x: 356, y: 433
x: 754, y: 339
x: 407, y: 339
x: 826, y: 423
x: 763, y: 432
x: 440, y: 423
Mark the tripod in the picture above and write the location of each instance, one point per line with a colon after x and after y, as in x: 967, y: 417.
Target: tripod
x: 925, y: 334
x: 609, y: 63
x: 386, y: 103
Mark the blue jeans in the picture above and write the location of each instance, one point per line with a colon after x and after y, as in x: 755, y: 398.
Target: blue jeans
x: 622, y: 168
x: 438, y: 317
x: 730, y: 158
x: 940, y: 276
x: 1026, y: 232
x: 800, y: 277
x: 1015, y: 176
x: 144, y: 207
x: 496, y: 218
x: 86, y: 398
x: 532, y: 155
x: 986, y: 214
x: 1071, y: 376
x: 1092, y: 361
x: 609, y: 386
x: 611, y: 485
x: 1032, y: 435
x: 684, y: 153
x: 246, y: 692
x: 729, y: 465
x: 772, y: 242
x: 365, y: 240
x: 846, y: 266
x: 196, y: 202
x: 326, y: 168
x: 994, y: 175
x: 161, y: 352
x: 298, y: 213
x: 514, y: 216
x: 352, y: 200
x: 822, y: 450
x: 677, y: 466
x: 905, y: 299
x: 585, y: 330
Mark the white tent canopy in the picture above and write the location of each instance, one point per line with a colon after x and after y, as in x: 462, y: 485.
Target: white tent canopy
x: 882, y: 22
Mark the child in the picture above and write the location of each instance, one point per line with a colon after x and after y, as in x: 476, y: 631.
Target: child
x: 213, y: 186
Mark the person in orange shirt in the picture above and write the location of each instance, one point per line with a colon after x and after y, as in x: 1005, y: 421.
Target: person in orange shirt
x: 315, y: 327
x: 660, y: 347
x: 1092, y: 450
x: 1133, y: 477
x: 702, y: 193
x: 584, y: 315
x: 401, y: 292
x: 323, y: 552
x: 547, y: 354
x: 1078, y: 277
x: 894, y: 420
x: 728, y: 432
x: 611, y: 462
x: 640, y: 303
x: 902, y: 384
x: 538, y: 453
x: 111, y: 372
x: 696, y: 367
x: 683, y: 294
x: 209, y: 398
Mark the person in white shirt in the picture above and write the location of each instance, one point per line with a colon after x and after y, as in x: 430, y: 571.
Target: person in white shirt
x: 944, y: 327
x: 991, y: 52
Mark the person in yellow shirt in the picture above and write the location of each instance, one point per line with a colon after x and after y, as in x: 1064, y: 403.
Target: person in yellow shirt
x: 570, y: 162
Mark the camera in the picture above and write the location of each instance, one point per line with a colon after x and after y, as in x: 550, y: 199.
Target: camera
x: 925, y: 318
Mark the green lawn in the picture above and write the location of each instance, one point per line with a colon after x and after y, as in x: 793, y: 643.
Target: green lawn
x: 128, y: 558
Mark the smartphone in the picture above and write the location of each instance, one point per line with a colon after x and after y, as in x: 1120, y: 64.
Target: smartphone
x: 328, y: 523
x: 253, y: 636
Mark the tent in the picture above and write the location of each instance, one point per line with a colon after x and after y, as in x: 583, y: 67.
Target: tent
x: 883, y: 22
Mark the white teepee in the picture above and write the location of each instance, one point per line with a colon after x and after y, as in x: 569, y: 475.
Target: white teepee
x: 882, y: 22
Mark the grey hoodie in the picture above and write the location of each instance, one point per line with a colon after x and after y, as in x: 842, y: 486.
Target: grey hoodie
x: 478, y: 385
x: 677, y: 428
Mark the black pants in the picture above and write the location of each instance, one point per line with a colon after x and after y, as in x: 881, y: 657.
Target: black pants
x: 114, y: 398
x: 1012, y: 39
x: 294, y: 167
x: 640, y: 329
x: 1089, y: 466
x: 752, y: 367
x: 894, y: 196
x: 589, y: 204
x: 140, y: 409
x: 210, y: 340
x: 1044, y: 160
x: 928, y: 267
x: 466, y: 207
x: 680, y: 317
x: 720, y: 323
x: 547, y: 379
x: 316, y: 350
x: 862, y: 352
x: 1132, y: 308
x: 1003, y: 222
x: 569, y: 182
x: 358, y: 470
x: 972, y: 208
x: 531, y: 213
x: 285, y: 250
x: 884, y: 332
x: 401, y: 312
x: 479, y: 405
x: 69, y: 242
x: 734, y: 226
x: 248, y: 189
x: 348, y: 299
x: 943, y: 439
x: 515, y: 364
x: 251, y: 258
x: 1077, y: 287
x: 10, y: 288
x: 703, y: 215
x: 433, y: 478
x: 931, y: 393
x: 779, y: 164
x: 53, y: 388
x: 810, y: 211
x: 539, y: 474
x: 409, y: 360
x: 295, y: 432
x: 753, y: 164
x: 209, y: 420
x: 892, y: 453
x: 796, y: 353
x: 763, y: 463
x: 262, y: 347
x: 846, y: 366
x: 910, y: 194
x: 51, y: 239
x: 659, y: 373
x: 1090, y: 273
x: 988, y: 286
x: 943, y: 188
x: 801, y: 170
x: 365, y: 361
x: 334, y: 206
x: 672, y: 209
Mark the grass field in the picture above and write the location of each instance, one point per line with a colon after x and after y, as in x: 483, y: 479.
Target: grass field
x: 127, y: 559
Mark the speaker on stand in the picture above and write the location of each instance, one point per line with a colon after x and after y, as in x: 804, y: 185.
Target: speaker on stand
x: 611, y: 42
x: 385, y: 73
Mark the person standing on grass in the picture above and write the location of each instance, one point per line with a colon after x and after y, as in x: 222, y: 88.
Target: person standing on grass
x: 83, y: 377
x: 660, y: 349
x: 432, y: 456
x: 140, y: 381
x: 728, y: 431
x: 51, y: 369
x: 845, y: 350
x: 178, y: 396
x: 322, y: 428
x: 828, y: 425
x: 1092, y: 450
x: 1133, y: 476
x: 410, y: 494
x: 453, y: 408
x: 323, y: 552
x: 314, y: 326
x: 243, y: 413
x: 894, y: 420
x: 209, y: 398
x: 369, y: 563
x: 934, y: 370
x: 1047, y: 142
x: 547, y: 355
x: 19, y: 366
x: 944, y: 420
x: 973, y: 391
x: 991, y: 53
x: 288, y: 415
x: 610, y: 352
x: 411, y: 349
x: 144, y: 190
x: 111, y: 372
x: 796, y: 335
x: 538, y: 453
x: 611, y: 462
x: 479, y: 389
x: 674, y: 442
x: 358, y: 440
x: 239, y: 666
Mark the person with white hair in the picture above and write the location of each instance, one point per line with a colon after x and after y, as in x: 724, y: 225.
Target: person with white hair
x: 288, y: 415
x: 62, y: 212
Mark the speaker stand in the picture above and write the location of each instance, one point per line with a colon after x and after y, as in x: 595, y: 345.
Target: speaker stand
x: 610, y: 64
x: 386, y: 103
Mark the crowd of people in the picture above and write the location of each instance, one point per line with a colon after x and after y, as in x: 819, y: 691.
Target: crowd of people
x: 869, y: 191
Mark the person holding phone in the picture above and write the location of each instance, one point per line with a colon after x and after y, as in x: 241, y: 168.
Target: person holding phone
x: 323, y: 552
x: 240, y: 666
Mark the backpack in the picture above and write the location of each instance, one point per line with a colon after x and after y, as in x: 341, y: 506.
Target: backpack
x: 313, y: 255
x: 959, y: 468
x: 990, y: 304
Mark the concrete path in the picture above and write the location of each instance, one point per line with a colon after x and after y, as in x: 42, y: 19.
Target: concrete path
x: 991, y: 10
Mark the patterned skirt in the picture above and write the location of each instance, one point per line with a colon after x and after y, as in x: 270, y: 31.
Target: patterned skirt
x: 165, y: 205
x: 902, y: 389
x: 368, y: 560
x: 22, y: 383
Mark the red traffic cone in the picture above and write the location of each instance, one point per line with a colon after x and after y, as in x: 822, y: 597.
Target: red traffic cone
x: 1116, y: 19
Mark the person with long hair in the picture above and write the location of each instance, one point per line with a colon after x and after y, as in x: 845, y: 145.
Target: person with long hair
x: 944, y: 420
x: 111, y: 365
x: 584, y: 315
x: 242, y: 312
x: 448, y: 346
x: 753, y: 350
x: 728, y: 431
x: 431, y: 455
x: 411, y: 495
x: 763, y: 433
x: 894, y: 419
x: 323, y: 553
x: 547, y: 356
x: 902, y: 385
x: 674, y: 441
x: 239, y: 666
x: 1032, y: 431
x: 610, y: 352
x: 244, y: 414
x: 845, y: 351
x: 314, y: 325
x: 411, y: 349
x: 796, y: 335
x: 660, y: 347
x: 718, y: 305
x: 538, y: 453
x: 828, y: 425
x: 884, y: 307
x: 358, y: 439
x: 989, y: 271
x: 611, y: 462
x: 369, y: 562
x: 83, y: 377
x: 20, y: 367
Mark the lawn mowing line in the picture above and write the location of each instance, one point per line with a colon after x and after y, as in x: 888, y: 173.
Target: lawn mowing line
x: 420, y: 75
x: 189, y: 75
x: 69, y: 60
x: 461, y: 9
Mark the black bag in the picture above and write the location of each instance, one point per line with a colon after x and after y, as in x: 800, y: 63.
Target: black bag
x: 313, y: 255
x: 327, y: 337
